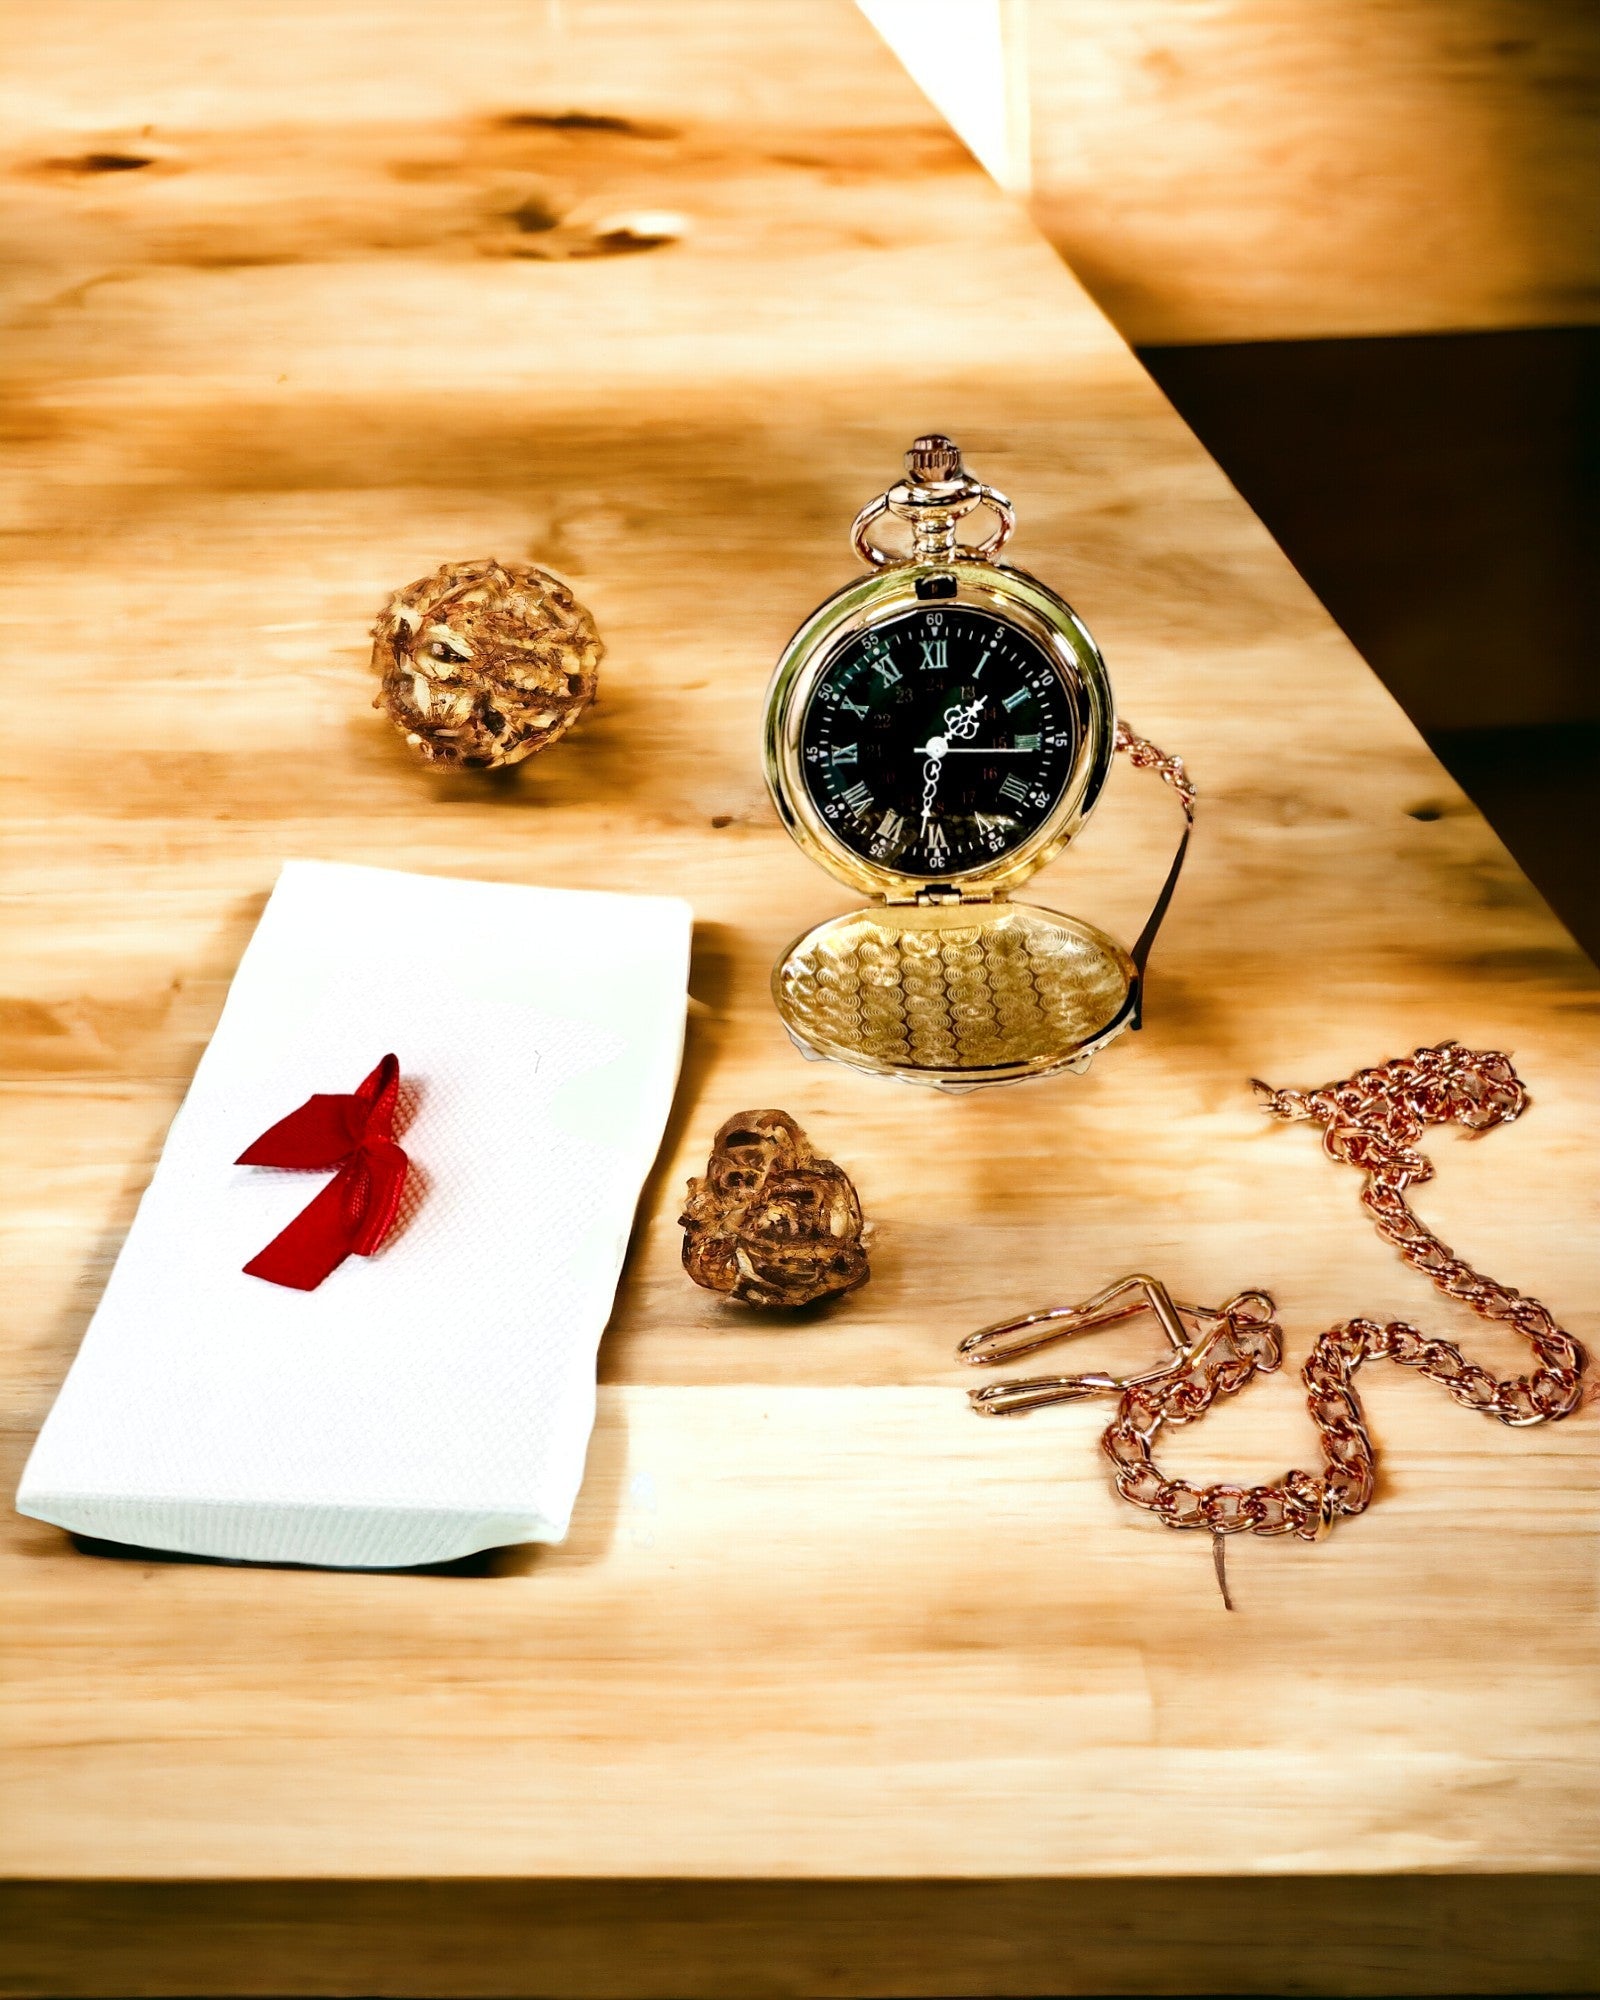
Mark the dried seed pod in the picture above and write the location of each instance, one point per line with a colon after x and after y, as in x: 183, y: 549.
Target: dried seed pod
x: 770, y: 1223
x: 484, y: 663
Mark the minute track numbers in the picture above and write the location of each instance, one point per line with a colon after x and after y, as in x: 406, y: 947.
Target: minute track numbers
x: 938, y: 742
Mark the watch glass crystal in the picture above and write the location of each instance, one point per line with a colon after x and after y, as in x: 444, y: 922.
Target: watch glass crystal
x: 938, y: 741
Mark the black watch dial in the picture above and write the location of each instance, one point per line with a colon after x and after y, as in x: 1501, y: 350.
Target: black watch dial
x: 938, y: 742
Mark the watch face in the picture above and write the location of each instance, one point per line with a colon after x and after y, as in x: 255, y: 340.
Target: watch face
x: 938, y: 741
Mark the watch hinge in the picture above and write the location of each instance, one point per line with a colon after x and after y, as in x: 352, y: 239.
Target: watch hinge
x: 947, y: 892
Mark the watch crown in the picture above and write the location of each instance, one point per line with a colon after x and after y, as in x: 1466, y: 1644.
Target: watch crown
x: 933, y: 460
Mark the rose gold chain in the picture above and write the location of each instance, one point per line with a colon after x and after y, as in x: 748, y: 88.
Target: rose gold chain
x: 1144, y: 756
x: 1372, y: 1120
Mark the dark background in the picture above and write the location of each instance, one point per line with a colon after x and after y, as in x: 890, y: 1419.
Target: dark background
x: 1441, y: 494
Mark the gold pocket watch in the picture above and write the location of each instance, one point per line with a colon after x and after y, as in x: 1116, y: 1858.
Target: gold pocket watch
x: 935, y: 732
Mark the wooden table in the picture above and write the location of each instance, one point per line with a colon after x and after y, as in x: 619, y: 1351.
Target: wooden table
x: 1271, y: 170
x: 833, y: 1688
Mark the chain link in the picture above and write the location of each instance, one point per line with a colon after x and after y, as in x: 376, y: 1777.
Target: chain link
x: 1373, y: 1121
x: 1144, y: 756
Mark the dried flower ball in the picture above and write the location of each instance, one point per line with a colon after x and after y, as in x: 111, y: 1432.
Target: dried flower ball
x: 483, y: 663
x: 770, y: 1223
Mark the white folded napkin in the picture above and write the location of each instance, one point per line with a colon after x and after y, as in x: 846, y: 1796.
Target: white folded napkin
x: 436, y: 1398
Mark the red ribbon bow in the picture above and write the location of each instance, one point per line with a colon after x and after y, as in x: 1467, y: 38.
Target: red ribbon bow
x: 356, y: 1210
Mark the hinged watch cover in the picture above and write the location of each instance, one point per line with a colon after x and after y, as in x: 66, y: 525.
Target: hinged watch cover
x: 935, y: 733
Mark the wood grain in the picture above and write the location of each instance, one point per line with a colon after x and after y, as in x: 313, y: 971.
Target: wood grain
x: 815, y: 1624
x: 1284, y: 169
x: 613, y: 1940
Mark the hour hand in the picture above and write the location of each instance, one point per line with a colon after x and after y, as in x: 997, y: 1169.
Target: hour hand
x: 963, y: 722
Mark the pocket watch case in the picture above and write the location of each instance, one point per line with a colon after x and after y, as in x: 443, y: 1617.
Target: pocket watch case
x: 953, y: 994
x: 935, y: 733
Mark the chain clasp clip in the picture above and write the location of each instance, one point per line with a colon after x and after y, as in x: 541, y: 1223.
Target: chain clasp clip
x: 1028, y: 1332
